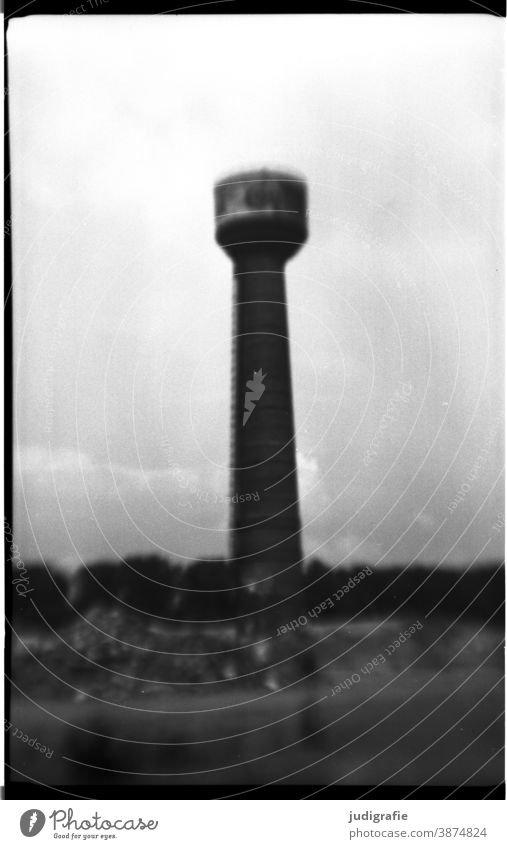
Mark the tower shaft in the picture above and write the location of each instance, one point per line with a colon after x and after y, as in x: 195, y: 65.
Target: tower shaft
x: 261, y: 222
x: 266, y: 527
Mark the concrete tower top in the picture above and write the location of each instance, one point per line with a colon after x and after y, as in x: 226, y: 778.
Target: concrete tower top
x: 261, y: 206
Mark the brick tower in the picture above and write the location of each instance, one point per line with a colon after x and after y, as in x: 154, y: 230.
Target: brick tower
x: 261, y: 223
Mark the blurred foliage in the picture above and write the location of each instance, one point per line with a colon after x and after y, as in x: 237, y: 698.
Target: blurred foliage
x: 155, y: 589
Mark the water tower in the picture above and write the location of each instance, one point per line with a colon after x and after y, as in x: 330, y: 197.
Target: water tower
x: 261, y: 222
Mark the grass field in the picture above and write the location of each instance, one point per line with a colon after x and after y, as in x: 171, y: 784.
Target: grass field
x: 431, y: 712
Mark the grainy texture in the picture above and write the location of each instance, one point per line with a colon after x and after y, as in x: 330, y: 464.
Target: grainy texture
x: 261, y: 222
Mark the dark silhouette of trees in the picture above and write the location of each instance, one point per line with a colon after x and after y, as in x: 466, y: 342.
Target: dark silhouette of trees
x: 39, y: 592
x: 153, y: 587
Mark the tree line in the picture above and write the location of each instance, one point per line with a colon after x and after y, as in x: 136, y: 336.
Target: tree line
x: 154, y: 587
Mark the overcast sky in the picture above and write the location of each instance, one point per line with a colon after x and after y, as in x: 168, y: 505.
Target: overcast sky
x: 119, y: 127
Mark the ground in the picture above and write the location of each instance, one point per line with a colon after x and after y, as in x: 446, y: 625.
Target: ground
x: 431, y: 711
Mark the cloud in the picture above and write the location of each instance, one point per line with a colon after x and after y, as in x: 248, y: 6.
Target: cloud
x: 308, y: 473
x: 70, y: 507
